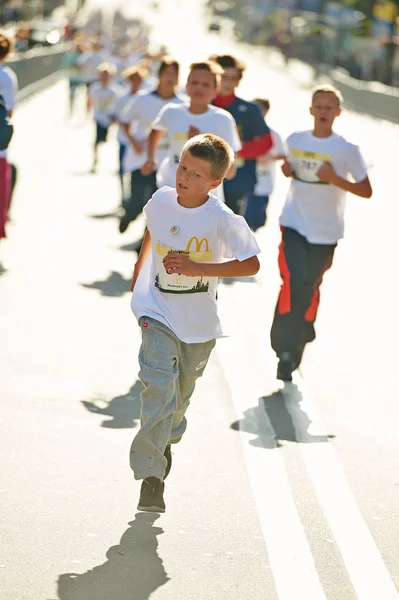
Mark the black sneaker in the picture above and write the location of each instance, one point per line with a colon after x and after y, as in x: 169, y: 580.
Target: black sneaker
x: 123, y: 224
x: 151, y: 495
x: 285, y: 366
x: 168, y: 455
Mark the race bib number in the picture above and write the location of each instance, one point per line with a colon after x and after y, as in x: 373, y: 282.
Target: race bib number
x: 306, y: 164
x: 197, y: 251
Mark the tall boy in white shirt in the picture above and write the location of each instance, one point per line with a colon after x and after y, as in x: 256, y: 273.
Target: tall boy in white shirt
x: 190, y: 234
x: 312, y: 222
x: 136, y: 121
x: 187, y: 120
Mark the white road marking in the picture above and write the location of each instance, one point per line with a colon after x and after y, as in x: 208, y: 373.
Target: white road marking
x: 289, y: 553
x: 363, y: 561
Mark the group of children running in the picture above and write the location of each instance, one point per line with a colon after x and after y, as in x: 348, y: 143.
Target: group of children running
x: 201, y: 164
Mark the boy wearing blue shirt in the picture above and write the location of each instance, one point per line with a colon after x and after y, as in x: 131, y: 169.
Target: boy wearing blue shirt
x: 255, y: 135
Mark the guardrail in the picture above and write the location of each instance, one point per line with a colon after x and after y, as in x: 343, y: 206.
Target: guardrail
x: 37, y: 64
x: 371, y: 97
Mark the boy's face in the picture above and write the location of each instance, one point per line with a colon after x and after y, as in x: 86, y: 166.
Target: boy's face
x: 104, y: 77
x: 169, y: 77
x: 201, y: 86
x: 325, y: 108
x: 193, y: 177
x: 230, y: 80
x: 135, y: 82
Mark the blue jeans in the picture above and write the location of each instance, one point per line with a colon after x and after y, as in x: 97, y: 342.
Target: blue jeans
x: 255, y: 214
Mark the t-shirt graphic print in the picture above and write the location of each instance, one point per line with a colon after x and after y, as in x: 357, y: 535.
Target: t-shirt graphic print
x: 175, y: 283
x: 305, y: 165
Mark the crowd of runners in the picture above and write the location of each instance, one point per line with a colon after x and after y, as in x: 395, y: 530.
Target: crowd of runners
x: 189, y: 146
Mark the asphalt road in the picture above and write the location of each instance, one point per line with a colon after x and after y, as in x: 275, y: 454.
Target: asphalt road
x: 277, y: 492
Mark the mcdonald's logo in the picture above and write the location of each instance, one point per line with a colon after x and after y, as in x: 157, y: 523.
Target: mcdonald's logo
x: 198, y: 244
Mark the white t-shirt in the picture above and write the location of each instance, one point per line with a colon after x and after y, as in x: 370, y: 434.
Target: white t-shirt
x: 266, y: 170
x: 140, y: 113
x: 313, y: 208
x: 9, y: 91
x: 103, y: 99
x: 177, y: 120
x: 211, y: 233
x: 117, y: 111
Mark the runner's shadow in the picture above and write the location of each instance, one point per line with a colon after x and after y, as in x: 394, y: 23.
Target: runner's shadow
x: 133, y: 570
x: 232, y: 280
x: 115, y: 285
x: 288, y: 419
x: 124, y: 410
x: 113, y: 215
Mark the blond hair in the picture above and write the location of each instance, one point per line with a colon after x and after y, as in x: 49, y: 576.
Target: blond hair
x: 139, y: 70
x: 214, y: 150
x: 328, y: 89
x: 107, y: 68
x: 210, y: 66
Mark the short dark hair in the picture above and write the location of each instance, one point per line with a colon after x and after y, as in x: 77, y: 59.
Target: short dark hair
x: 227, y: 61
x: 210, y: 66
x: 5, y: 45
x: 168, y: 61
x: 263, y: 103
x: 214, y: 150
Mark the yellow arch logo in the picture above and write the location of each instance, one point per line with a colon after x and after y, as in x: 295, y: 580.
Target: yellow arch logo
x: 198, y: 244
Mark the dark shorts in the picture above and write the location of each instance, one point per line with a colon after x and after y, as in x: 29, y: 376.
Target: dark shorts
x: 101, y: 133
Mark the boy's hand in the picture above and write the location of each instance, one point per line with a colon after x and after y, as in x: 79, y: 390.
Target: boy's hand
x: 287, y: 169
x: 326, y: 173
x: 193, y: 131
x: 178, y: 263
x: 148, y: 167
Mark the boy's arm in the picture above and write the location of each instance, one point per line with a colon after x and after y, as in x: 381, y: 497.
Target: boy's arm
x: 360, y: 188
x: 178, y: 263
x: 144, y: 252
x: 152, y: 144
x: 138, y: 146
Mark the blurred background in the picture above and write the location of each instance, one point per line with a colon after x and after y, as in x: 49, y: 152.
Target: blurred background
x: 360, y: 36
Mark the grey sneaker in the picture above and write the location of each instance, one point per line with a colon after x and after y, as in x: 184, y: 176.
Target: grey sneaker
x: 151, y: 495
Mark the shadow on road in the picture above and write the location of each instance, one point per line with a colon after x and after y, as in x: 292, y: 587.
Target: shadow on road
x: 124, y: 410
x: 232, y: 280
x: 113, y: 215
x: 288, y: 420
x: 133, y: 569
x: 115, y: 285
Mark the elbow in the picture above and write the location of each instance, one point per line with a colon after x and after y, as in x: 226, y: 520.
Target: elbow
x: 254, y: 265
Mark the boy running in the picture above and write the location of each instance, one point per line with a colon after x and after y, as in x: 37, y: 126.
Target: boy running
x: 187, y: 120
x: 312, y: 222
x: 134, y: 78
x: 136, y: 121
x: 190, y: 233
x: 8, y: 94
x: 255, y: 212
x: 102, y: 97
x: 254, y: 133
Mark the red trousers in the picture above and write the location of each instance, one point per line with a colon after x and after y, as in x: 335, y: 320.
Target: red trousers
x: 5, y: 191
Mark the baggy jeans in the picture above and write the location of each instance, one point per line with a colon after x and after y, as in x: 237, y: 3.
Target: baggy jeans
x: 169, y: 369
